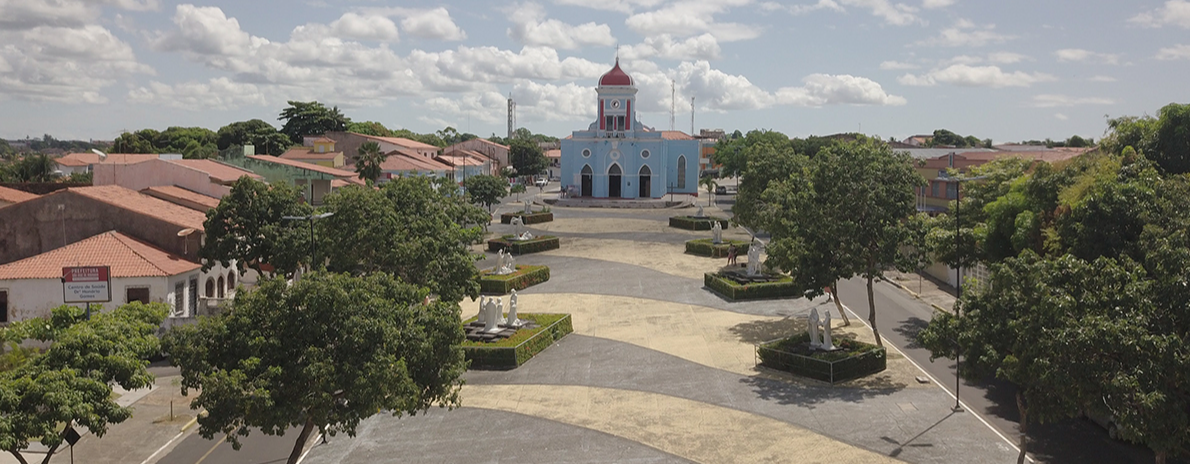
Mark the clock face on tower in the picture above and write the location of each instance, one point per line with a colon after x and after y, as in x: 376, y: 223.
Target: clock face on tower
x: 615, y: 104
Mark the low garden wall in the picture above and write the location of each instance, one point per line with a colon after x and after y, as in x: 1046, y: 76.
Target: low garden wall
x: 522, y: 346
x: 855, y: 360
x: 525, y: 276
x: 706, y: 248
x: 696, y: 224
x: 537, y: 244
x: 531, y: 218
x: 783, y: 287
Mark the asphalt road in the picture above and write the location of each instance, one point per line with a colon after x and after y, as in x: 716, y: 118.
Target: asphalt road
x: 258, y: 448
x: 899, y: 317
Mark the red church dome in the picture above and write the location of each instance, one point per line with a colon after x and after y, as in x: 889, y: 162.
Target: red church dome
x: 615, y: 77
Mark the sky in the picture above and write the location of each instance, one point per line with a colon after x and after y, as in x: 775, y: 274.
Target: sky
x: 1009, y: 70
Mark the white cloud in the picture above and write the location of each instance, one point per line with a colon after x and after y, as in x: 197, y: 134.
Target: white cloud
x: 483, y: 106
x: 975, y: 76
x: 1173, y: 13
x: 544, y: 102
x: 967, y: 34
x: 207, y: 31
x: 1086, y: 56
x: 530, y: 27
x: 897, y: 65
x: 803, y: 9
x: 931, y: 4
x: 825, y: 89
x: 716, y: 90
x: 1101, y: 79
x: 219, y: 93
x: 432, y: 24
x: 64, y: 64
x: 1058, y: 100
x: 688, y: 17
x: 897, y: 14
x: 1006, y: 58
x: 29, y: 14
x: 622, y: 6
x: 1061, y: 117
x: 470, y: 68
x: 703, y: 47
x: 364, y: 27
x: 1177, y: 52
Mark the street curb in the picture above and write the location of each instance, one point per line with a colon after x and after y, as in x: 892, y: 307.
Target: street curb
x: 914, y: 294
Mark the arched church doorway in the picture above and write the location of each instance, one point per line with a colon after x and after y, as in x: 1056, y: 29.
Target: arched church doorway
x: 646, y: 187
x: 613, y: 181
x: 587, y: 181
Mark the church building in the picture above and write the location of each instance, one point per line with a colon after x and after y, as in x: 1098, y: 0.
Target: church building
x: 618, y: 157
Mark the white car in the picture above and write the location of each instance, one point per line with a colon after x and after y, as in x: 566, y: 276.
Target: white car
x: 540, y: 182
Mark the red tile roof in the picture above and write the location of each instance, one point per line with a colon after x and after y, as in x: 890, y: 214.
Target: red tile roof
x: 401, y: 141
x: 13, y: 196
x: 458, y: 159
x: 184, y: 197
x: 131, y: 200
x: 221, y: 173
x: 306, y: 166
x: 92, y: 158
x: 127, y: 257
x: 675, y: 135
x: 554, y: 153
x: 398, y: 161
x: 308, y: 153
x: 480, y: 139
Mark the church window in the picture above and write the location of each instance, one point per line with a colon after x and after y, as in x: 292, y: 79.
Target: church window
x: 682, y: 172
x: 586, y: 153
x: 611, y: 122
x: 619, y: 123
x: 615, y: 104
x: 644, y: 153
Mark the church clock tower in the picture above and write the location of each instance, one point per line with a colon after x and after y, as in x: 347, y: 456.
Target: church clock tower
x: 617, y: 98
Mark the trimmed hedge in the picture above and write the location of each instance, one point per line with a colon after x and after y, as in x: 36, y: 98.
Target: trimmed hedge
x: 537, y: 244
x: 856, y: 360
x: 735, y: 291
x: 525, y: 276
x: 696, y: 224
x: 532, y: 218
x: 705, y: 248
x: 522, y: 346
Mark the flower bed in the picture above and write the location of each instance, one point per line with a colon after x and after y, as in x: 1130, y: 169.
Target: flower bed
x: 537, y: 244
x: 706, y: 248
x: 783, y: 287
x: 696, y: 224
x: 532, y: 218
x: 793, y: 355
x: 525, y: 276
x: 514, y: 351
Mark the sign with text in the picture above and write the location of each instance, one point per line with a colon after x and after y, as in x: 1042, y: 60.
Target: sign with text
x: 84, y: 284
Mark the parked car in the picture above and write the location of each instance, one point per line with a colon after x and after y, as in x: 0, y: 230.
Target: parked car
x: 1100, y: 415
x: 540, y: 182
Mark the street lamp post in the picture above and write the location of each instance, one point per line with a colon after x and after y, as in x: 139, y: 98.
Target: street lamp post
x: 958, y: 197
x: 311, y: 219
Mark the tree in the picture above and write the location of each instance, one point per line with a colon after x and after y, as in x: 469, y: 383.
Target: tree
x: 370, y: 128
x: 1171, y: 139
x: 409, y: 228
x: 485, y: 189
x: 367, y: 344
x: 32, y: 168
x: 710, y: 184
x: 527, y: 158
x: 868, y: 191
x: 135, y: 142
x: 247, y: 227
x: 311, y: 118
x: 263, y: 136
x: 69, y: 384
x: 517, y: 189
x: 367, y: 164
x: 732, y: 154
x: 766, y: 164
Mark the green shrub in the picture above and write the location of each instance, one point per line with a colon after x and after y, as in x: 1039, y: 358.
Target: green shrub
x: 705, y: 248
x: 532, y: 218
x: 525, y: 276
x: 856, y: 360
x: 696, y: 224
x: 522, y: 346
x: 736, y: 291
x: 537, y: 244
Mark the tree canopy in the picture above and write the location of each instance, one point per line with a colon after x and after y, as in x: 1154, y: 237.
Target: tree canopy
x: 1165, y: 139
x: 368, y: 161
x: 45, y: 392
x: 485, y: 189
x: 367, y: 344
x: 732, y: 153
x: 31, y: 168
x: 192, y: 142
x: 311, y: 118
x: 264, y: 138
x: 247, y: 227
x: 527, y: 158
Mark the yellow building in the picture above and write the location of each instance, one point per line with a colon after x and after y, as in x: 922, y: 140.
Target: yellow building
x: 322, y: 153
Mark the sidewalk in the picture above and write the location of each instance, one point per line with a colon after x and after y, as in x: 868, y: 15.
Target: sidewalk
x: 938, y: 294
x: 134, y: 440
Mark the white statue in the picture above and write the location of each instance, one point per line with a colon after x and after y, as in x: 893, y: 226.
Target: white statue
x: 754, y: 259
x: 509, y: 264
x: 699, y: 214
x: 827, y: 344
x: 528, y: 208
x: 513, y: 322
x: 492, y: 310
x: 482, y: 311
x: 813, y: 328
x: 518, y: 229
x: 717, y: 233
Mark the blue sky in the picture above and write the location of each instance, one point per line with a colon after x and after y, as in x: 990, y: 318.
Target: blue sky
x: 1008, y: 70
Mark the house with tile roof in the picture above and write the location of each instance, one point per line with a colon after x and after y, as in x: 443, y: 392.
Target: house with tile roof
x: 322, y: 152
x: 940, y: 190
x: 31, y: 287
x: 9, y: 196
x: 83, y: 162
x: 498, y: 153
x: 207, y: 177
x: 184, y: 197
x: 349, y: 143
x: 400, y: 163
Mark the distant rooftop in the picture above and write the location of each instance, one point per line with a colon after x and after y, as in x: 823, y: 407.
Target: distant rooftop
x: 127, y: 257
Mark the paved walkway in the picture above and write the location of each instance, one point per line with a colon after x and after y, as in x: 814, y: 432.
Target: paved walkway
x: 661, y: 370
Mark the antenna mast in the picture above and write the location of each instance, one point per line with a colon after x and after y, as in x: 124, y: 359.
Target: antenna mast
x: 511, y: 116
x: 691, y: 116
x: 673, y: 99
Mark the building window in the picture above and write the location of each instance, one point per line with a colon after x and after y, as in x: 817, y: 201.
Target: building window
x: 610, y: 123
x: 934, y: 190
x: 136, y: 294
x: 644, y: 153
x: 952, y: 190
x: 193, y: 297
x: 220, y: 289
x: 210, y: 287
x: 180, y: 299
x: 231, y: 280
x: 586, y: 153
x: 682, y: 172
x: 619, y: 123
x: 3, y: 306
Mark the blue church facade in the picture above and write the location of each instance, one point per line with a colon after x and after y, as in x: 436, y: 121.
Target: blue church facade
x: 617, y: 157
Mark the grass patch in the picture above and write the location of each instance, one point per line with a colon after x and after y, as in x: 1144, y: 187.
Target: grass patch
x: 696, y: 224
x: 525, y: 276
x: 792, y: 354
x: 784, y: 287
x: 706, y: 248
x: 532, y: 218
x: 522, y: 346
x: 537, y: 244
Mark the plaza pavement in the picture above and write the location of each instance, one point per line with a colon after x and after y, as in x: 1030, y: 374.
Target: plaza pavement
x: 659, y: 369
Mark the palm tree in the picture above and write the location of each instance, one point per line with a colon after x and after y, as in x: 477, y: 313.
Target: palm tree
x: 32, y: 168
x: 709, y: 182
x: 367, y: 164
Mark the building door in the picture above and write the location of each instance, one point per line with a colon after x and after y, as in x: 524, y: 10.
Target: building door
x: 646, y: 188
x: 588, y: 181
x: 613, y: 181
x: 3, y: 306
